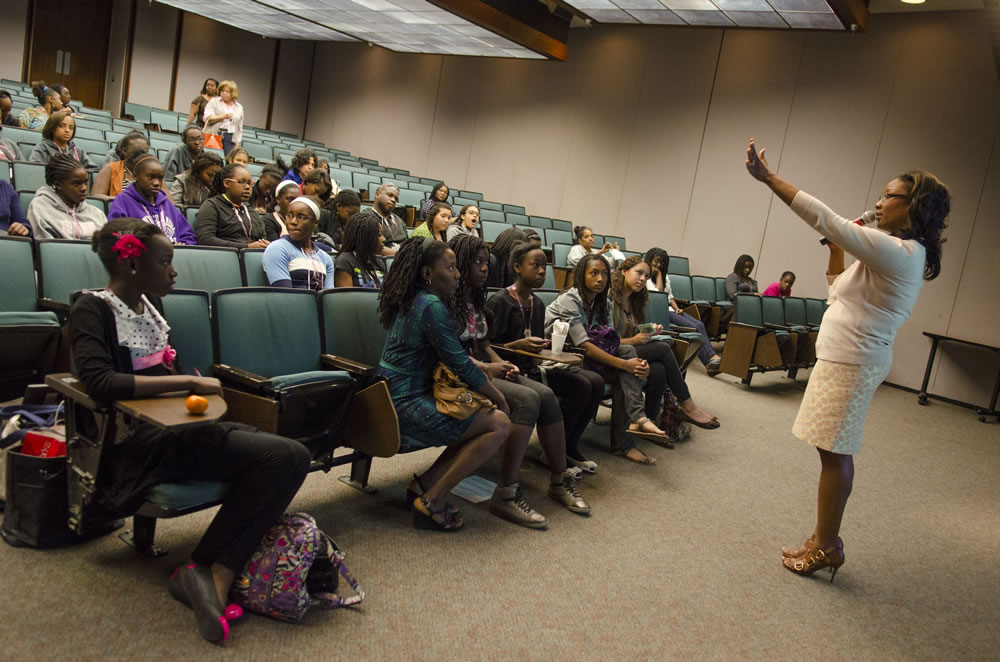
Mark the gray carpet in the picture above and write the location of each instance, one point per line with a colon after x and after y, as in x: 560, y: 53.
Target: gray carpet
x: 678, y: 561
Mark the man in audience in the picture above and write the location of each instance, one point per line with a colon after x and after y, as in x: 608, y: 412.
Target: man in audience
x: 6, y: 104
x: 179, y: 159
x: 393, y: 228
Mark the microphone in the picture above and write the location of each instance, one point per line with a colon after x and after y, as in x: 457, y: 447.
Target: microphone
x: 866, y: 219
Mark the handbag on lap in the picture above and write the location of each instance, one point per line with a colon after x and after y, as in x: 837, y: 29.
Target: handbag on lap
x: 454, y: 397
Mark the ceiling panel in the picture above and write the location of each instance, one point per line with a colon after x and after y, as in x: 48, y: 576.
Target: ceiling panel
x: 781, y: 14
x: 412, y: 26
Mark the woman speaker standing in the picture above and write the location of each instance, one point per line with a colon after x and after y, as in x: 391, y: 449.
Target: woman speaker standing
x: 868, y: 301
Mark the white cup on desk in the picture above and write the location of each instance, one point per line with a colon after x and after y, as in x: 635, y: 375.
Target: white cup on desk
x: 558, y: 341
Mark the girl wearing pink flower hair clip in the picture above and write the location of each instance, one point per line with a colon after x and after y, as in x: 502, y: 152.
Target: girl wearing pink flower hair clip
x: 120, y: 344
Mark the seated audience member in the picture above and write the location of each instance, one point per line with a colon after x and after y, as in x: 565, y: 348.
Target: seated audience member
x: 517, y: 321
x: 437, y: 223
x: 9, y: 151
x: 466, y: 223
x: 585, y: 246
x: 225, y: 219
x: 360, y: 262
x: 146, y: 201
x: 438, y: 194
x: 659, y: 281
x: 238, y: 156
x: 739, y: 282
x: 65, y: 97
x: 59, y: 209
x: 414, y: 307
x: 6, y: 106
x: 191, y: 188
x: 121, y: 350
x: 782, y: 288
x: 57, y: 138
x: 224, y: 116
x: 128, y: 142
x: 393, y: 228
x: 584, y: 307
x: 180, y: 158
x: 319, y: 184
x: 501, y: 273
x: 12, y: 220
x: 115, y: 176
x: 263, y: 190
x: 342, y: 206
x: 303, y: 163
x: 196, y: 115
x: 580, y: 391
x: 286, y: 192
x: 49, y: 101
x: 530, y: 402
x: 324, y: 165
x: 293, y: 260
x: 629, y: 298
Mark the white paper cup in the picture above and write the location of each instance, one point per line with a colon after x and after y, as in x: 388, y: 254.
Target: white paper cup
x: 558, y: 340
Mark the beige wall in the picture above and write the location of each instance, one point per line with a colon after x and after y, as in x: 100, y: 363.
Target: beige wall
x: 211, y: 49
x: 643, y: 131
x: 13, y: 27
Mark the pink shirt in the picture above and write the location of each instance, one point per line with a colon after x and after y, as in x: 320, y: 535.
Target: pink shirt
x: 774, y: 290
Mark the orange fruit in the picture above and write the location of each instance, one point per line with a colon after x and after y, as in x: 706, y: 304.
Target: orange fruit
x: 196, y: 404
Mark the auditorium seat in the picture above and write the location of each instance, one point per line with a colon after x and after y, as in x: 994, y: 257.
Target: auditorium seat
x: 612, y: 239
x: 719, y: 312
x: 560, y: 254
x: 491, y: 215
x: 24, y: 198
x: 815, y: 308
x: 187, y: 312
x: 562, y: 225
x: 362, y: 180
x: 539, y: 222
x: 410, y: 198
x: 167, y: 120
x: 96, y: 148
x: 486, y: 205
x: 28, y: 176
x: 679, y: 265
x: 268, y: 346
x: 253, y: 267
x: 751, y: 347
x: 22, y: 135
x: 66, y: 266
x: 554, y: 236
x: 207, y: 267
x: 491, y: 230
x: 803, y: 341
x: 516, y: 219
x: 514, y: 209
x: 90, y: 134
x: 29, y: 338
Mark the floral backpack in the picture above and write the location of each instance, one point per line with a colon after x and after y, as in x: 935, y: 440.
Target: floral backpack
x: 295, y: 566
x: 671, y: 424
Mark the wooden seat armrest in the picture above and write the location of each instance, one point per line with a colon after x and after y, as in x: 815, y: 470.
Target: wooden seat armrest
x: 71, y: 388
x: 780, y: 327
x: 353, y: 367
x: 228, y: 373
x: 743, y: 325
x: 682, y: 329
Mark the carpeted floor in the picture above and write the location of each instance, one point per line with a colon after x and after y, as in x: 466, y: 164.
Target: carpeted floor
x: 678, y: 561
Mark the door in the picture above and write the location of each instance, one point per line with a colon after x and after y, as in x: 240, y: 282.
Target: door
x: 69, y: 45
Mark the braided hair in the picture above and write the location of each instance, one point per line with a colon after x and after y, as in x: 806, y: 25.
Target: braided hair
x: 620, y: 291
x: 103, y: 240
x: 653, y: 253
x: 930, y: 204
x: 403, y: 281
x: 466, y: 248
x: 599, y: 305
x: 434, y: 210
x: 360, y: 237
x: 60, y: 168
x: 520, y: 251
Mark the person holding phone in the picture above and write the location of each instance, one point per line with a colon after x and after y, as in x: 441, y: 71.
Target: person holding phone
x: 868, y: 302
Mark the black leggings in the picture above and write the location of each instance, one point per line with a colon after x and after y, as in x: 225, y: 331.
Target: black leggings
x: 580, y: 393
x: 663, y: 370
x: 264, y: 471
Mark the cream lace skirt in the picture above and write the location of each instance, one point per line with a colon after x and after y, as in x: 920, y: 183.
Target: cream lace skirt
x: 833, y: 410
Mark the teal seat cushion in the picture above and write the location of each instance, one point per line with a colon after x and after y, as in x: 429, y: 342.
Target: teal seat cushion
x: 186, y: 494
x: 311, y: 377
x: 45, y: 318
x: 724, y: 304
x: 798, y: 329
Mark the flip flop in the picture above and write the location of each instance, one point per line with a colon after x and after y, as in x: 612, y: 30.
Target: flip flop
x: 645, y: 461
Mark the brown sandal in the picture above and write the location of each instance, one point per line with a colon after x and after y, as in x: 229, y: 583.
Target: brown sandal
x: 644, y: 459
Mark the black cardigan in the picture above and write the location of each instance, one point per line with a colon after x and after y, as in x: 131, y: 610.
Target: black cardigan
x: 216, y: 225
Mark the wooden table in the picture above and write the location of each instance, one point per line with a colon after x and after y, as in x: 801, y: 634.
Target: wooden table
x: 935, y: 340
x: 166, y: 410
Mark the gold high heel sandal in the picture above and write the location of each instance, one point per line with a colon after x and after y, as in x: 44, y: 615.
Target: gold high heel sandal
x: 796, y: 552
x: 816, y: 559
